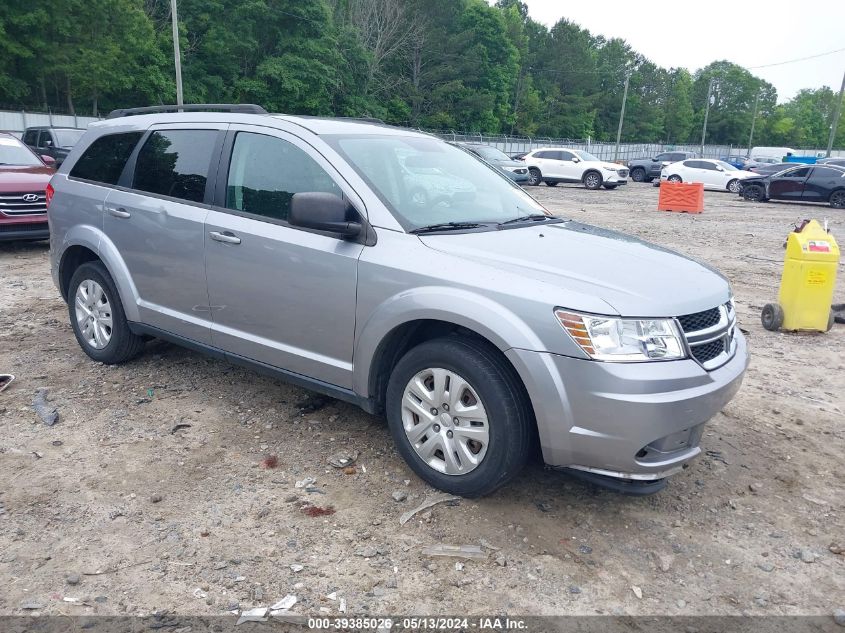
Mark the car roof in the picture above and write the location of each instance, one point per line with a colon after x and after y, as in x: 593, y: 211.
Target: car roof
x: 54, y: 127
x: 316, y: 125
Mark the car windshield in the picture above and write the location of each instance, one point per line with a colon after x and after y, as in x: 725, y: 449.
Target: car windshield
x: 584, y: 155
x: 68, y: 138
x: 491, y: 153
x: 13, y: 152
x: 724, y: 165
x: 425, y: 181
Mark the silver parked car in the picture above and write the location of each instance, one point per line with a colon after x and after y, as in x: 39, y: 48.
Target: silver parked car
x: 480, y: 329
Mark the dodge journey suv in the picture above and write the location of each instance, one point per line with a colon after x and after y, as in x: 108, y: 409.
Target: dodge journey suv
x: 480, y: 325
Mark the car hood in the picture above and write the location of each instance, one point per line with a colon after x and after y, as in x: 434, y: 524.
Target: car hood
x: 603, y: 165
x: 509, y: 163
x: 634, y: 277
x: 15, y: 179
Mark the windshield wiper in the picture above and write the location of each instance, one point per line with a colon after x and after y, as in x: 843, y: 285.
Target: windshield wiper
x: 534, y: 217
x: 446, y: 226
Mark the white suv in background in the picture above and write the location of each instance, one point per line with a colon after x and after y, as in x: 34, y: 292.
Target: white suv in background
x: 559, y: 164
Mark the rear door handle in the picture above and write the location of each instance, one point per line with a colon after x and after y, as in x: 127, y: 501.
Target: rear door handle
x: 118, y: 212
x: 227, y: 238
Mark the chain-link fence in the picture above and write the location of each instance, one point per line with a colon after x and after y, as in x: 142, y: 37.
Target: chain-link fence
x: 604, y: 150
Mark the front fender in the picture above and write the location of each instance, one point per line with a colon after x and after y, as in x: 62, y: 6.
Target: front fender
x: 95, y: 240
x: 477, y: 313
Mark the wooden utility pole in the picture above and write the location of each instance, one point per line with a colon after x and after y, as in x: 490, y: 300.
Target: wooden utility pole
x: 706, y: 116
x: 177, y: 56
x: 837, y: 112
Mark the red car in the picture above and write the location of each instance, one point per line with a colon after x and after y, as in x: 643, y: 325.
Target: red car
x: 24, y: 179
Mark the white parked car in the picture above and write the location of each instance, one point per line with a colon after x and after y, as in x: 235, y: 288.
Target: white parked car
x: 713, y: 174
x: 559, y: 164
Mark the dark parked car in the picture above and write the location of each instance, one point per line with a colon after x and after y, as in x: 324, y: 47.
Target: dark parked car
x: 513, y: 169
x: 803, y: 183
x: 647, y: 169
x: 838, y: 162
x: 736, y: 161
x: 52, y: 141
x: 24, y: 178
x: 767, y: 169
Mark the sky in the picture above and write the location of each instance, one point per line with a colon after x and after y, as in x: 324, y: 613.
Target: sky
x: 748, y: 33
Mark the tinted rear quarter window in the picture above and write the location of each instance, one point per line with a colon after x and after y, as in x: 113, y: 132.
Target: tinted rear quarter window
x: 826, y: 173
x: 106, y: 157
x: 175, y: 163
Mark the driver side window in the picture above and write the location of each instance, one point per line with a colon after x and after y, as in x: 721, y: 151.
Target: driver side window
x: 266, y: 171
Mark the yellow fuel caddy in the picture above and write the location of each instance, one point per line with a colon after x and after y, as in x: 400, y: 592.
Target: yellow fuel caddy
x: 806, y: 287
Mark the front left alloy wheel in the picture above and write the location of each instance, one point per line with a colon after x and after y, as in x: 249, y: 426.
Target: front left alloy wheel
x: 459, y: 416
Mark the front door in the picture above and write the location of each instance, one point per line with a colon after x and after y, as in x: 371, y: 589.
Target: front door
x: 157, y: 225
x: 279, y: 294
x: 790, y: 185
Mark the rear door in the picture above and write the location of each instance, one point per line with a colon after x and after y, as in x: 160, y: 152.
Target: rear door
x: 156, y: 221
x: 569, y: 169
x: 789, y: 185
x: 544, y: 161
x: 280, y: 294
x: 821, y: 181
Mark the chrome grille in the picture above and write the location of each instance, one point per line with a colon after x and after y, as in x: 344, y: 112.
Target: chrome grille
x: 710, y: 335
x: 25, y: 203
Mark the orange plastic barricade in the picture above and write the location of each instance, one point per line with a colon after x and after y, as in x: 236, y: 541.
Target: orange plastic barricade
x: 685, y: 197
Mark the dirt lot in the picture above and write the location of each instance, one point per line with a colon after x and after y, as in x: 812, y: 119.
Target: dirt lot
x: 150, y: 487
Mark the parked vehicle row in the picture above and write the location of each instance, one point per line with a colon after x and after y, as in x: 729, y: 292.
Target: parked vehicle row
x: 480, y: 329
x: 24, y: 179
x: 647, y: 169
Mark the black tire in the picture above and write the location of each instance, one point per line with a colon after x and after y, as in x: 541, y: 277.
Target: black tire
x: 510, y: 419
x: 837, y: 199
x: 772, y: 317
x: 123, y: 345
x: 534, y: 176
x: 551, y: 183
x: 675, y: 178
x: 611, y: 187
x: 754, y: 193
x: 735, y: 186
x: 592, y: 180
x: 638, y: 174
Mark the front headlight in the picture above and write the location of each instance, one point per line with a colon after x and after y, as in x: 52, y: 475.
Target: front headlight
x: 609, y: 168
x: 623, y: 340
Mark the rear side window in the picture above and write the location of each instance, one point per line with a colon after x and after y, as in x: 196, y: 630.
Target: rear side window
x: 175, y: 163
x: 106, y: 157
x: 826, y: 172
x: 266, y: 171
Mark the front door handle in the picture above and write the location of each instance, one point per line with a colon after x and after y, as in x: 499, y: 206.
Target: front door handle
x: 118, y: 212
x: 226, y: 238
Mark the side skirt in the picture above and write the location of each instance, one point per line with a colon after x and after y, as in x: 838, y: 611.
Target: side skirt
x: 306, y: 382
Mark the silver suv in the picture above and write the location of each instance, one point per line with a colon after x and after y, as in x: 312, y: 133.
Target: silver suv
x: 478, y: 323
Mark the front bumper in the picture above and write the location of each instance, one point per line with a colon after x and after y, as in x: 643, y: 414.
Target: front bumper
x: 24, y: 228
x: 638, y: 421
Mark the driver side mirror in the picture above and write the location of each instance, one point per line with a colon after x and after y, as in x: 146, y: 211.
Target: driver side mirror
x: 654, y: 160
x: 324, y: 212
x: 575, y: 159
x: 48, y: 160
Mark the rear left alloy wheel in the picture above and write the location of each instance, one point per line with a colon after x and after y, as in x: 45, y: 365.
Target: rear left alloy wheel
x: 837, y: 199
x: 735, y: 185
x: 97, y: 317
x: 458, y: 416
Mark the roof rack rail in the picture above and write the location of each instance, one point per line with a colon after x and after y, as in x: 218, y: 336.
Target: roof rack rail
x: 240, y: 108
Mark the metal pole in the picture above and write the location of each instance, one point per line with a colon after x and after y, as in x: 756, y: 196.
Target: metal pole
x: 836, y: 114
x: 753, y: 121
x: 176, y: 54
x: 706, y: 115
x: 621, y: 117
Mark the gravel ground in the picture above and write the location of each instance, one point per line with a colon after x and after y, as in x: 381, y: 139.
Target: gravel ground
x: 153, y: 491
